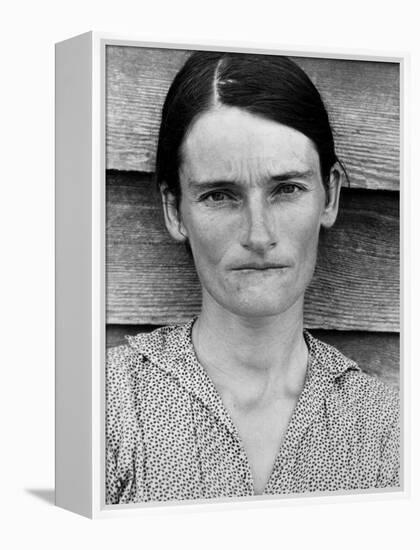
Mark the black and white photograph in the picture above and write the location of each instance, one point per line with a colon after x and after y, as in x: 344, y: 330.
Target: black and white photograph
x: 210, y: 265
x: 252, y: 275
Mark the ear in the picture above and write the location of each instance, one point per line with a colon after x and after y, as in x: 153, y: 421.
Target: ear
x: 172, y: 215
x: 333, y: 196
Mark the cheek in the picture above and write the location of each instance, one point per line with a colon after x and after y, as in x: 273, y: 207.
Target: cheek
x: 207, y: 237
x: 304, y: 238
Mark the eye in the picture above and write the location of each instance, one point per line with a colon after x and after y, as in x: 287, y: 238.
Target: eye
x: 288, y: 189
x: 217, y: 197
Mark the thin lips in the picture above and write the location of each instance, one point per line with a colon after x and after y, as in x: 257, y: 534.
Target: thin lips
x: 259, y: 266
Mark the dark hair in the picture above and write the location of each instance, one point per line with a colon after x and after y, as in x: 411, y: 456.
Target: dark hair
x: 273, y: 87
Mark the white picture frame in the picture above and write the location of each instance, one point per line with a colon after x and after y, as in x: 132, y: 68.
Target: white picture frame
x: 81, y: 277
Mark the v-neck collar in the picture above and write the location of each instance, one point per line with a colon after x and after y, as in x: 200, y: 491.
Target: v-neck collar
x: 171, y: 350
x: 325, y: 366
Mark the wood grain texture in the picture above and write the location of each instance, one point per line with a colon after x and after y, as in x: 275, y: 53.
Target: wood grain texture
x: 151, y: 279
x: 362, y: 98
x: 378, y: 354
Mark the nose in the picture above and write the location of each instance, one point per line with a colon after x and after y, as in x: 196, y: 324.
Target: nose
x: 258, y: 234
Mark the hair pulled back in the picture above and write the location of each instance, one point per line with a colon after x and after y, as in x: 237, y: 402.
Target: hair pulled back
x: 272, y: 87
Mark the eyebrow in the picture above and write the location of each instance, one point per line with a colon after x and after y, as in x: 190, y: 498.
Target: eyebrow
x: 293, y: 174
x: 285, y: 176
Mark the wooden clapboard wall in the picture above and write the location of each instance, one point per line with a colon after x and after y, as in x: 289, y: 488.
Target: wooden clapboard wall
x: 353, y: 301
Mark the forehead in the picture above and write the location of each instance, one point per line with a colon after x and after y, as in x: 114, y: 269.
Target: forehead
x: 230, y: 143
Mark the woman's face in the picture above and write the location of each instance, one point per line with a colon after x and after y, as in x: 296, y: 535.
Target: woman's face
x: 252, y: 204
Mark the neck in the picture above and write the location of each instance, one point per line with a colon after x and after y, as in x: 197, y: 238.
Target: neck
x: 261, y: 353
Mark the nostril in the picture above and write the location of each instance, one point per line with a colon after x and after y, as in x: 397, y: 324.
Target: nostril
x: 260, y: 237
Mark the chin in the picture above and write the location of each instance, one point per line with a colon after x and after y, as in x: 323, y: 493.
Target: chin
x: 260, y: 307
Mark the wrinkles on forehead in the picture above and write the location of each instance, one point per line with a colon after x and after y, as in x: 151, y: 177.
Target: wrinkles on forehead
x: 229, y: 144
x: 252, y: 174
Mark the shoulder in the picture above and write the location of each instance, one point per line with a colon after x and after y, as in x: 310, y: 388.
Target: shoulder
x: 363, y: 412
x: 141, y: 342
x: 355, y: 388
x: 142, y: 352
x: 125, y: 357
x: 132, y: 368
x: 374, y: 403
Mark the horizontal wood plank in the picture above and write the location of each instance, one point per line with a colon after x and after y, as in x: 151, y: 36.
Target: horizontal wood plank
x: 151, y: 279
x: 378, y: 354
x: 362, y: 98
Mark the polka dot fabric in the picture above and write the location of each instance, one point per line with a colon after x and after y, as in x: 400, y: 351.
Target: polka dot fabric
x: 169, y: 436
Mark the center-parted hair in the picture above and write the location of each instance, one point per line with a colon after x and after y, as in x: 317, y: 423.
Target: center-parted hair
x: 272, y: 87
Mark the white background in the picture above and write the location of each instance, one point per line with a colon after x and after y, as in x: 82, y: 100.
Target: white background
x: 28, y: 33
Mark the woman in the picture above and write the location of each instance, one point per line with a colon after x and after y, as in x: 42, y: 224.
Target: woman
x: 242, y: 400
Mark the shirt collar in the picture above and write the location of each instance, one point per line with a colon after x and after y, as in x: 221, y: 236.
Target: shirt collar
x: 328, y: 358
x: 171, y: 350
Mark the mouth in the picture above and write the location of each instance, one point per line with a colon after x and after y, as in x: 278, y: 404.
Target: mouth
x: 253, y: 267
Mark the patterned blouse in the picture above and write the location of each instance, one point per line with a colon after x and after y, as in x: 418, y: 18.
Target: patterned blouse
x: 169, y: 436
